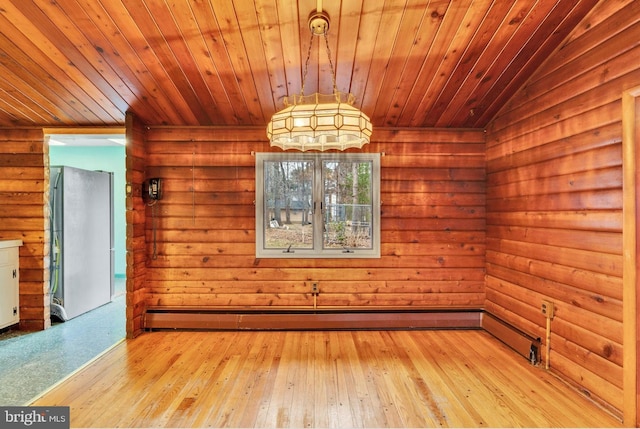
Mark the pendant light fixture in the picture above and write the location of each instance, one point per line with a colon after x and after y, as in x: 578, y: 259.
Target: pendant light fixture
x: 319, y: 121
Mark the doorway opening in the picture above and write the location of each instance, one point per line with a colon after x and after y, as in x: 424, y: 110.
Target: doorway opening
x: 95, y: 170
x: 44, y: 358
x: 91, y: 306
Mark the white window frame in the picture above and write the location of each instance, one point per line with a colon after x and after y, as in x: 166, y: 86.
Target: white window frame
x: 318, y: 195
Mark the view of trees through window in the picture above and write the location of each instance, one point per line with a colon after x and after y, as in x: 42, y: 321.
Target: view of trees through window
x: 288, y: 198
x: 330, y: 198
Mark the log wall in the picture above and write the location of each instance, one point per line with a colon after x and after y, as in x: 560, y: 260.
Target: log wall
x: 135, y: 206
x: 554, y: 200
x: 432, y: 226
x: 24, y: 215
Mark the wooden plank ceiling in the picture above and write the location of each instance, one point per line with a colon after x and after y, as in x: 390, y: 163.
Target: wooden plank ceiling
x: 410, y: 63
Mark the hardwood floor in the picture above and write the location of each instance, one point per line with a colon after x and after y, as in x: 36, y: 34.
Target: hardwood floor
x: 320, y: 379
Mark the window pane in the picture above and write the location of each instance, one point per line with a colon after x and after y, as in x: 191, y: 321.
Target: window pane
x: 348, y: 201
x: 288, y: 187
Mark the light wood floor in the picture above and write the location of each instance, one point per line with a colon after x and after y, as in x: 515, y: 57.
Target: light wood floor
x: 319, y: 379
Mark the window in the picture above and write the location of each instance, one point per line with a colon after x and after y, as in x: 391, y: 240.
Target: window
x: 317, y: 205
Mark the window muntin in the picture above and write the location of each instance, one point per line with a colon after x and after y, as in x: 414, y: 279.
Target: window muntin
x: 317, y: 205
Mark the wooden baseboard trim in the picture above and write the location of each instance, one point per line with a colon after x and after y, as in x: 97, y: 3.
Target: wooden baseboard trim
x: 211, y: 319
x: 523, y: 343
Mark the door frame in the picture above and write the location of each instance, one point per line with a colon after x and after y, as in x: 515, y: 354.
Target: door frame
x: 630, y: 241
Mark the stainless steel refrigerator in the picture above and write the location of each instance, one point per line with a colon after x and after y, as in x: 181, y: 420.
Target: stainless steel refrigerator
x: 82, y: 255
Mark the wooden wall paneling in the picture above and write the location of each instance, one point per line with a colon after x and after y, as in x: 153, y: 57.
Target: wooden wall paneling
x: 596, y: 283
x: 555, y: 206
x: 598, y: 304
x: 589, y: 381
x: 593, y: 241
x: 588, y: 261
x: 565, y: 146
x: 594, y: 119
x: 230, y: 260
x: 433, y: 228
x: 24, y: 195
x: 136, y: 293
x: 602, y: 220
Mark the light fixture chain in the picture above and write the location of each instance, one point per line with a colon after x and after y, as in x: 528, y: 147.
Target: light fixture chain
x: 306, y: 67
x: 316, y: 122
x: 333, y: 72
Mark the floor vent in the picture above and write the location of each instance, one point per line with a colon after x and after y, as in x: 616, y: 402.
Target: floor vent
x: 523, y: 343
x: 304, y: 319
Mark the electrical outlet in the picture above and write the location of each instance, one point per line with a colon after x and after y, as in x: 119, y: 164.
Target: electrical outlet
x: 547, y: 309
x: 314, y: 287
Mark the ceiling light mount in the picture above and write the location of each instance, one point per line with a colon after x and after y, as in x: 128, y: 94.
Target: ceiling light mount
x: 319, y: 121
x: 319, y: 23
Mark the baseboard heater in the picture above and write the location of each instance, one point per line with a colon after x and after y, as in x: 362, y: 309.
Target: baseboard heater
x: 220, y: 319
x: 521, y: 342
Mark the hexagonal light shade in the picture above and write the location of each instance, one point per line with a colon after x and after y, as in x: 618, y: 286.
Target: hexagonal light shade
x: 319, y: 122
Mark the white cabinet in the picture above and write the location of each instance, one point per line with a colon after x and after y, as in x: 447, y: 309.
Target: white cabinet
x: 9, y: 283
